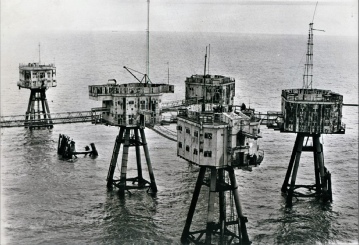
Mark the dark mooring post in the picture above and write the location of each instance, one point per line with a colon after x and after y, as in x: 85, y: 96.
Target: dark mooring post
x: 128, y: 141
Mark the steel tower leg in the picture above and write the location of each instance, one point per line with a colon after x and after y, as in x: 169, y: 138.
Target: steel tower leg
x: 222, y: 206
x: 295, y: 169
x: 211, y: 199
x: 125, y: 137
x: 316, y: 170
x: 148, y: 161
x: 138, y: 158
x: 242, y: 219
x: 30, y: 108
x: 42, y: 111
x: 322, y: 170
x: 46, y: 108
x: 290, y: 166
x: 113, y: 163
x: 216, y: 184
x: 197, y: 190
x: 322, y: 175
x: 122, y: 185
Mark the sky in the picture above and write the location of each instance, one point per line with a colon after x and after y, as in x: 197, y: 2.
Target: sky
x: 337, y: 17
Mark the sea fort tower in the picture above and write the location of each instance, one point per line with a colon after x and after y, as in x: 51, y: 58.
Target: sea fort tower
x: 218, y: 138
x: 38, y: 78
x: 309, y: 113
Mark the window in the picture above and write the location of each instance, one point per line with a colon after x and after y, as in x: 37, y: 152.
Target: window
x: 187, y: 147
x: 179, y: 127
x: 208, y: 135
x: 143, y: 104
x: 180, y: 144
x: 195, y: 151
x: 207, y: 154
x: 131, y: 102
x: 195, y: 133
x: 188, y: 131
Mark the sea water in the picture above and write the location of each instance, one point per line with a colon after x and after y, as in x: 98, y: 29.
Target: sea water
x: 46, y: 200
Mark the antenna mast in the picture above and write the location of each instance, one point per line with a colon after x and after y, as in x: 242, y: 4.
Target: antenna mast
x: 209, y: 55
x: 39, y: 55
x: 308, y: 68
x: 204, y: 83
x: 148, y: 42
x: 168, y: 72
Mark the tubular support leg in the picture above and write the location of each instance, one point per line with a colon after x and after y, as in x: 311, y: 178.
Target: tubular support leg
x: 211, y: 200
x: 318, y: 148
x: 122, y: 186
x: 47, y: 108
x: 148, y: 160
x: 316, y: 170
x: 197, y: 189
x: 295, y: 170
x: 290, y: 166
x: 138, y: 157
x: 222, y: 206
x: 242, y: 219
x: 113, y: 163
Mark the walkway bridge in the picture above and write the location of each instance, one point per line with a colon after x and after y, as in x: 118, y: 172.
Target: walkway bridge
x: 174, y: 105
x: 93, y: 116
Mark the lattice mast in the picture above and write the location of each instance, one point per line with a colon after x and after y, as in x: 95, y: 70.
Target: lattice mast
x: 308, y: 67
x: 148, y: 42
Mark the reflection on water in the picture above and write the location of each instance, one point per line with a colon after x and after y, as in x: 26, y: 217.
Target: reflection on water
x: 307, y: 223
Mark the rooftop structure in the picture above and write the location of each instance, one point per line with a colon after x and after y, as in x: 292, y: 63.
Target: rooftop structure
x: 312, y: 111
x: 210, y: 89
x: 217, y: 138
x: 130, y: 104
x: 37, y: 76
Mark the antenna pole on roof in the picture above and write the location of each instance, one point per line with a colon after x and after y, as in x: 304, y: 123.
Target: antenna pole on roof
x: 204, y: 83
x: 39, y: 55
x: 314, y: 11
x: 209, y: 55
x: 168, y: 72
x: 308, y: 68
x: 148, y: 42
